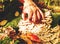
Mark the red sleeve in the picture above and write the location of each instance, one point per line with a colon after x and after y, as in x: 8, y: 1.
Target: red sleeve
x: 21, y: 1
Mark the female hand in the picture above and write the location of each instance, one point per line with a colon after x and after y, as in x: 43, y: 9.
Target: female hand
x: 32, y: 12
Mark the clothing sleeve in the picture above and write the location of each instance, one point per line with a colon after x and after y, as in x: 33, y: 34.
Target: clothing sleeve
x: 21, y: 1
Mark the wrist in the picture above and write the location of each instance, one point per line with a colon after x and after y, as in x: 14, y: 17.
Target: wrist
x: 27, y: 0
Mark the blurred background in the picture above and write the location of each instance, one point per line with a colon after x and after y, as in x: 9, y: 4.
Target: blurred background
x: 51, y: 2
x: 4, y: 3
x: 11, y: 9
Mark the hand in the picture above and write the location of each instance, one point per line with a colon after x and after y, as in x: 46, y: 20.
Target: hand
x: 32, y: 12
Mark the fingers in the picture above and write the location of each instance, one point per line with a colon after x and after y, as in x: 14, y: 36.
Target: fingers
x: 38, y: 15
x: 41, y: 14
x: 30, y: 16
x: 24, y: 16
x: 34, y: 17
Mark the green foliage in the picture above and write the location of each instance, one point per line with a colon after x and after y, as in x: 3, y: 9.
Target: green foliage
x: 5, y: 41
x: 56, y: 19
x: 16, y: 42
x: 13, y: 23
x: 51, y: 2
x: 58, y: 43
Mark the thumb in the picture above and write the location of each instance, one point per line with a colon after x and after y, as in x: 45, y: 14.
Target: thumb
x: 24, y: 16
